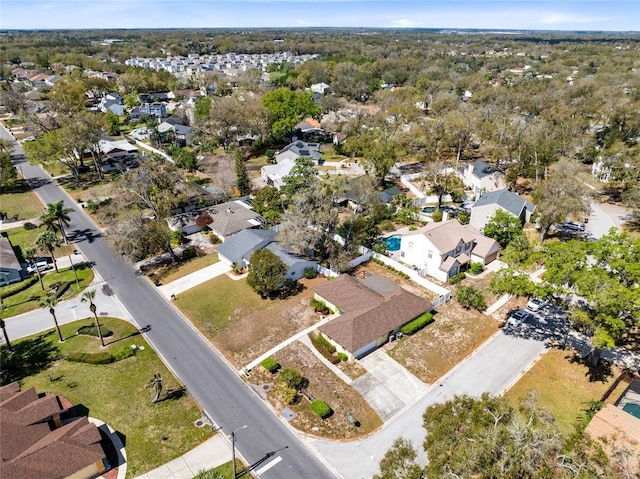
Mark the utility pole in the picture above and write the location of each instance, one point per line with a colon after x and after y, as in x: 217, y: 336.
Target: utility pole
x: 233, y: 449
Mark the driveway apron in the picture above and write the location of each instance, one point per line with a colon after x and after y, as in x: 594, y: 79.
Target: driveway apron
x: 387, y: 386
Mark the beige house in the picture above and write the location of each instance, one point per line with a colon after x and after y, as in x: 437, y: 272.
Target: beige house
x: 442, y: 250
x: 371, y: 310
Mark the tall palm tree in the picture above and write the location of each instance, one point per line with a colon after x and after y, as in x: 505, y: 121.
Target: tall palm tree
x: 88, y: 296
x: 50, y: 302
x: 3, y: 327
x: 48, y: 241
x: 156, y: 384
x: 58, y: 214
x: 30, y: 254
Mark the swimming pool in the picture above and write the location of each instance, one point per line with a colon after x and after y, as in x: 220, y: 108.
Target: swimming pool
x: 633, y: 409
x: 393, y: 243
x: 428, y: 209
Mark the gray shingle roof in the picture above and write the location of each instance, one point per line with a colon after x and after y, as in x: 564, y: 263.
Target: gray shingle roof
x: 507, y: 200
x: 244, y: 244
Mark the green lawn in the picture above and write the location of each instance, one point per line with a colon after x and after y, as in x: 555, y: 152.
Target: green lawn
x: 564, y: 386
x: 116, y: 393
x: 25, y: 238
x: 176, y: 271
x: 21, y: 201
x: 29, y: 299
x: 199, y: 304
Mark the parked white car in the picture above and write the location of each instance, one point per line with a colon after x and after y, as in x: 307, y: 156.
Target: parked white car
x: 518, y: 317
x: 536, y: 304
x: 40, y: 265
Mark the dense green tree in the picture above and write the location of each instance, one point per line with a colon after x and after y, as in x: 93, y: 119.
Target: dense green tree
x: 266, y: 273
x: 604, y: 274
x: 503, y: 227
x: 56, y: 218
x: 202, y: 108
x: 268, y: 202
x: 286, y: 108
x: 242, y: 176
x: 509, y: 281
x: 8, y: 172
x: 399, y: 462
x: 470, y: 297
x: 561, y: 196
x: 301, y: 176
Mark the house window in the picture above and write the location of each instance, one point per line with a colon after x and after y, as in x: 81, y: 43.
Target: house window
x: 430, y: 254
x: 410, y: 245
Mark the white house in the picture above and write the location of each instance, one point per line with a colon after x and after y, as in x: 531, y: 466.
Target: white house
x: 274, y: 175
x: 486, y: 206
x: 481, y: 177
x: 321, y: 88
x: 442, y: 250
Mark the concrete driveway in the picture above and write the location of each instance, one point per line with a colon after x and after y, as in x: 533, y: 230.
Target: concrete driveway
x: 387, y: 386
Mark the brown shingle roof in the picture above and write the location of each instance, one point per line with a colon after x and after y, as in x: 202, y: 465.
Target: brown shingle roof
x: 368, y: 315
x: 348, y: 294
x: 30, y: 445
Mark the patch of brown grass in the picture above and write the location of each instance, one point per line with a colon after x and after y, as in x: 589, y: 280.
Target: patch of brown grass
x: 242, y: 325
x: 454, y: 334
x: 325, y: 385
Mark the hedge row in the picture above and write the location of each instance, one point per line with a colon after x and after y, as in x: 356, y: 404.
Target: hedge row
x: 390, y: 268
x: 457, y: 278
x: 27, y: 283
x: 319, y: 306
x: 323, y: 342
x: 103, y: 357
x: 416, y: 324
x: 320, y: 408
x: 62, y: 287
x: 91, y: 330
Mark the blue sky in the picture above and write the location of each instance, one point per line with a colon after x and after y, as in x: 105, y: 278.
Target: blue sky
x: 620, y: 15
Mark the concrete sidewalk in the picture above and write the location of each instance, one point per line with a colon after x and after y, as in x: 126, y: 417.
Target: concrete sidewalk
x: 194, y: 279
x: 211, y: 453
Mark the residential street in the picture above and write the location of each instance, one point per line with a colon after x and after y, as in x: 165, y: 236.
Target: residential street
x: 493, y: 368
x: 213, y: 384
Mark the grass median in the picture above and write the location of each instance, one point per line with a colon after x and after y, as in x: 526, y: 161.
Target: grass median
x: 115, y: 392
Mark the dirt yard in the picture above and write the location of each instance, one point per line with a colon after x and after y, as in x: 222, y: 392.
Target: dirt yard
x: 322, y: 384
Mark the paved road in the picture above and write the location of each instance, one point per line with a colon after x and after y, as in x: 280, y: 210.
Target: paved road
x: 493, y: 368
x: 210, y: 380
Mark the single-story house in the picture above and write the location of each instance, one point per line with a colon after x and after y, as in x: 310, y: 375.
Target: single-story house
x: 116, y: 148
x: 480, y: 177
x: 442, y: 250
x: 486, y: 206
x: 295, y: 263
x: 240, y: 248
x: 231, y: 217
x: 9, y: 265
x: 370, y: 310
x: 40, y: 439
x: 274, y: 175
x: 299, y: 148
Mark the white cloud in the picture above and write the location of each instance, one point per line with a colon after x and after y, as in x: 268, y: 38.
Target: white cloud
x: 403, y: 23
